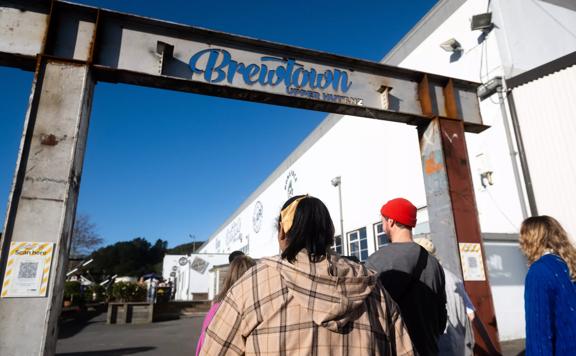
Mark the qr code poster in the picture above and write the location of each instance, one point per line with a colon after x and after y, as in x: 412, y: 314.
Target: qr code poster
x: 471, y: 258
x: 27, y: 269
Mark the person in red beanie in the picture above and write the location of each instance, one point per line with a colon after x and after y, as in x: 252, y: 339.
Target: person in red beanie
x: 412, y: 277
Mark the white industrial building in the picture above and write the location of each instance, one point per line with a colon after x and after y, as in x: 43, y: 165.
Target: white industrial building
x: 529, y: 45
x: 192, y: 276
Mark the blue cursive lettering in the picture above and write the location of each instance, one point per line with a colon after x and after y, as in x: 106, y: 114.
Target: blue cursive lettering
x: 217, y: 65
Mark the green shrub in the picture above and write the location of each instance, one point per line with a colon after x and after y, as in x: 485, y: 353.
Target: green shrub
x: 72, y: 292
x: 95, y: 293
x: 128, y: 292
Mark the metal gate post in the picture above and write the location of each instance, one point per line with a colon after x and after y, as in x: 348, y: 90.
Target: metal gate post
x: 452, y: 212
x: 43, y: 198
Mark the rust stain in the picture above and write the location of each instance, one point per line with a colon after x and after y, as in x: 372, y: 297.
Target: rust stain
x: 450, y: 101
x: 425, y: 97
x: 431, y: 166
x: 49, y: 140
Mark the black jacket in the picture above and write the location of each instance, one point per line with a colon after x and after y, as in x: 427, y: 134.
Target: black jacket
x: 415, y: 280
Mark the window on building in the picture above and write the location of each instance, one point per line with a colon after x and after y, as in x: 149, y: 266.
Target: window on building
x: 337, y: 246
x: 358, y: 244
x: 380, y: 237
x: 422, y: 228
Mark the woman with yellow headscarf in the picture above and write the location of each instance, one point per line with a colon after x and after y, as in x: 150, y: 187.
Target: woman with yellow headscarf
x: 307, y: 300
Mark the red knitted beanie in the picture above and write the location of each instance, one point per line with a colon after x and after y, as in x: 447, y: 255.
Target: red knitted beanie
x: 400, y: 210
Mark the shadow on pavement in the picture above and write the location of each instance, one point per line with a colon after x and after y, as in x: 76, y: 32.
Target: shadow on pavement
x: 115, y: 352
x: 68, y: 327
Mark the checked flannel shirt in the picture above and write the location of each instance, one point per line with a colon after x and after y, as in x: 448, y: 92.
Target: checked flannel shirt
x: 332, y: 307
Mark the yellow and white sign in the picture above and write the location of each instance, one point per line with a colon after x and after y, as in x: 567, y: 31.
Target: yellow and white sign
x: 27, y: 269
x: 472, y: 266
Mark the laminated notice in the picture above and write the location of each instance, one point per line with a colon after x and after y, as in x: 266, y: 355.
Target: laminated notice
x: 472, y: 265
x: 28, y: 269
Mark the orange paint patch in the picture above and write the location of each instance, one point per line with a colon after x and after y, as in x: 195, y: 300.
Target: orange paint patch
x: 431, y: 166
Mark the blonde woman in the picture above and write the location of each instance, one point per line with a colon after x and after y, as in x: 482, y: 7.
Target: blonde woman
x: 240, y: 263
x: 550, y: 291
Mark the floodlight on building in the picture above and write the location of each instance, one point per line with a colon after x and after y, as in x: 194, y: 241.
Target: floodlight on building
x: 451, y: 45
x: 482, y: 22
x: 490, y: 87
x: 336, y: 181
x: 486, y: 179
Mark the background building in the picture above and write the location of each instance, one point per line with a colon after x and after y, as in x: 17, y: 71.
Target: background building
x: 378, y: 160
x: 192, y: 276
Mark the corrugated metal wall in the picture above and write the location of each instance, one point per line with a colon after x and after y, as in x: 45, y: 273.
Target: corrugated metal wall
x: 546, y: 110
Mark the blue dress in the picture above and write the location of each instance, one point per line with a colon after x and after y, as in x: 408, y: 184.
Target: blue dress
x: 550, y: 303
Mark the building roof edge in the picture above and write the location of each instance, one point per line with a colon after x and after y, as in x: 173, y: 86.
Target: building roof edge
x: 539, y: 72
x: 309, y: 141
x: 423, y: 28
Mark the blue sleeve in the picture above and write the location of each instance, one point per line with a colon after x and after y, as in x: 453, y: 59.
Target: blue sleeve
x: 538, y: 296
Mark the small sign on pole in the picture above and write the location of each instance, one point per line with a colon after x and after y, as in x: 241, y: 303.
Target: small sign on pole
x: 472, y: 266
x: 28, y: 269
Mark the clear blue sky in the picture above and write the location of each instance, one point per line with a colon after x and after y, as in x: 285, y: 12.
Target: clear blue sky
x: 162, y: 164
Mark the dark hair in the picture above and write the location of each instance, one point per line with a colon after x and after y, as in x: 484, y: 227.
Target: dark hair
x: 352, y: 258
x: 234, y: 254
x: 400, y: 225
x: 238, y: 267
x: 312, y: 229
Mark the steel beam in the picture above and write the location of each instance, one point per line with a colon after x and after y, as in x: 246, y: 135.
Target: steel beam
x: 452, y: 212
x: 143, y: 51
x: 43, y: 198
x: 453, y: 216
x: 440, y: 216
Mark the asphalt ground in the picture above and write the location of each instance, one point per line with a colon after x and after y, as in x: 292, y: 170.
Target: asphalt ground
x: 94, y: 337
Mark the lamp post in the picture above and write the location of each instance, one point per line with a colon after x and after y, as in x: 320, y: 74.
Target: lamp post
x: 337, y: 182
x: 193, y: 237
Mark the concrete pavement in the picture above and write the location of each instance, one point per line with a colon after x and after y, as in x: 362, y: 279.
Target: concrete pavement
x: 174, y: 338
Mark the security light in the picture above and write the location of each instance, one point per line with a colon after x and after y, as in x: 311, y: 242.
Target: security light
x: 452, y: 45
x: 336, y: 181
x: 482, y: 22
x: 486, y: 179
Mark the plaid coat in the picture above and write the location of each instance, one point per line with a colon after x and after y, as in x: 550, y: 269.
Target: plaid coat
x: 333, y: 307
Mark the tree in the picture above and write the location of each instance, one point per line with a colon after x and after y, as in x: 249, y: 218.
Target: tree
x: 185, y: 249
x: 85, y: 239
x: 128, y: 258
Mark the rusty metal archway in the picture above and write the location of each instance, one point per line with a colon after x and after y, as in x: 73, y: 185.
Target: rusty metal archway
x: 70, y: 47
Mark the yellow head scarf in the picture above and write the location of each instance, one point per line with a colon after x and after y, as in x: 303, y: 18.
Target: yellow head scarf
x: 287, y: 214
